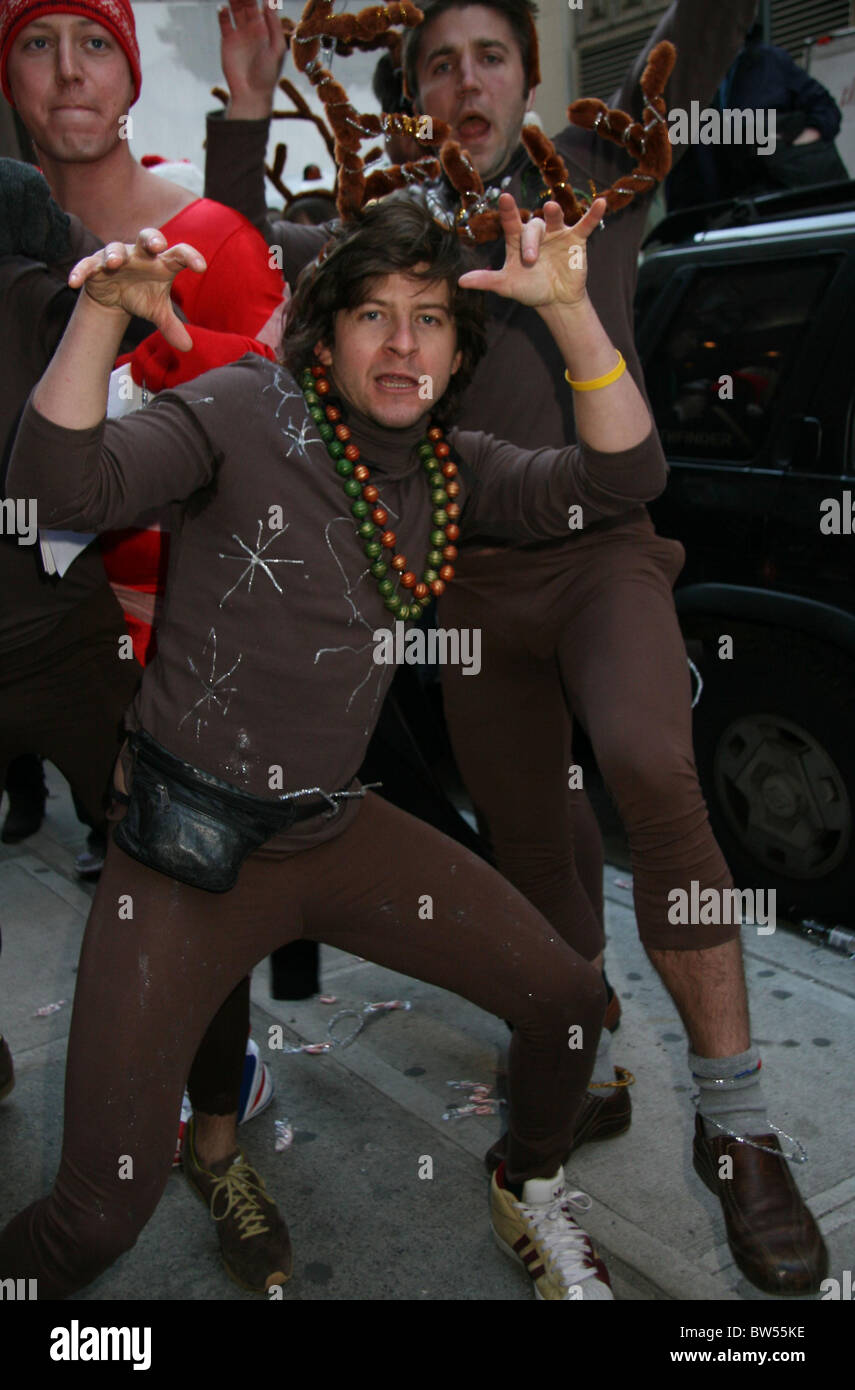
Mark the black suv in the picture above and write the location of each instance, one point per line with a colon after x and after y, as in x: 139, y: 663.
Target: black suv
x: 745, y: 328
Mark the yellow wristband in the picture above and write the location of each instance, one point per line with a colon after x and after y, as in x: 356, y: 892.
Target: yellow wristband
x: 598, y: 381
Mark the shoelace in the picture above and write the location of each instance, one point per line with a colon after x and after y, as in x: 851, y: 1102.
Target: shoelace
x: 566, y: 1243
x: 245, y: 1192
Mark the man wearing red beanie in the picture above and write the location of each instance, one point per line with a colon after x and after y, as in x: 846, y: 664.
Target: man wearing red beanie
x: 71, y: 68
x: 113, y: 15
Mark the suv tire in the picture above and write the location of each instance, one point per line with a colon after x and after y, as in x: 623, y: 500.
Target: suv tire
x: 775, y: 748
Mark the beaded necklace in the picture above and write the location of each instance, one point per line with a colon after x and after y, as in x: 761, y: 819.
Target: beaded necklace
x: 369, y: 515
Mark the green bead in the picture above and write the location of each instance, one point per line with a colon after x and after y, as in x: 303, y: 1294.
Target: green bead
x: 439, y: 518
x: 404, y: 612
x: 353, y: 488
x: 317, y: 414
x: 379, y: 569
x: 434, y: 558
x: 439, y: 496
x: 307, y: 380
x: 393, y: 604
x: 343, y: 467
x: 438, y: 538
x: 312, y: 398
x: 430, y: 575
x: 415, y: 610
x: 367, y: 530
x: 359, y: 509
x: 426, y: 451
x: 326, y: 431
x: 386, y: 587
x: 373, y: 549
x: 335, y: 448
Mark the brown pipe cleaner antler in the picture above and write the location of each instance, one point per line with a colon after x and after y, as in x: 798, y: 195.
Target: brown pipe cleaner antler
x: 647, y: 140
x: 367, y: 29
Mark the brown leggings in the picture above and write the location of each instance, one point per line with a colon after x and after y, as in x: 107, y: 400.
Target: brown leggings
x: 148, y: 987
x: 589, y: 627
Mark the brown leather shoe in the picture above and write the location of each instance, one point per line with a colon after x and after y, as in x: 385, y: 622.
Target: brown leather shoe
x: 772, y: 1236
x: 254, y: 1240
x: 603, y: 1116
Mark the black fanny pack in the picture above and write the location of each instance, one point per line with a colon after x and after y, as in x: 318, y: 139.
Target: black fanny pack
x: 187, y: 824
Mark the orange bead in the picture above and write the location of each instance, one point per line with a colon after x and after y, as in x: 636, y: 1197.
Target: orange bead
x: 351, y: 452
x: 453, y: 489
x: 388, y: 539
x: 332, y: 413
x: 360, y: 472
x: 449, y: 470
x: 452, y: 532
x: 408, y: 580
x: 452, y: 510
x: 421, y: 590
x: 446, y: 573
x: 434, y: 433
x: 449, y: 552
x: 342, y: 433
x: 379, y: 516
x: 442, y: 451
x: 370, y: 493
x: 437, y: 587
x: 322, y: 386
x: 399, y: 562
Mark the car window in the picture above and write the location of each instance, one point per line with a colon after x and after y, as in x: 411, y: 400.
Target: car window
x: 721, y: 364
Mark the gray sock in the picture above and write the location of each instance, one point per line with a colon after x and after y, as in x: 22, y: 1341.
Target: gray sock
x: 738, y: 1104
x: 603, y: 1067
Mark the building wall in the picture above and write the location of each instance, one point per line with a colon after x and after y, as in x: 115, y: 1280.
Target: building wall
x: 606, y: 35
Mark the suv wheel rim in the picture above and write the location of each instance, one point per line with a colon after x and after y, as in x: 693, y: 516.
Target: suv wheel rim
x: 783, y: 796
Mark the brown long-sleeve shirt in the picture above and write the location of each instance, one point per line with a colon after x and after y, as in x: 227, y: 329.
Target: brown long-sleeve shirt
x: 265, y: 650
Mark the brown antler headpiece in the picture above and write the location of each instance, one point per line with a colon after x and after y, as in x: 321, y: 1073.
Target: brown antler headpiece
x: 320, y: 31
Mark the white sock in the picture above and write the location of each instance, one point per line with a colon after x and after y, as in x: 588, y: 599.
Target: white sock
x: 603, y: 1067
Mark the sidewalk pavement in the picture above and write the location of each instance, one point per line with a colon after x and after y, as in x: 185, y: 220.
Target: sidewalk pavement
x: 364, y: 1223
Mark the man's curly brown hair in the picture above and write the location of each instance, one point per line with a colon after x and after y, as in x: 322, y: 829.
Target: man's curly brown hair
x: 391, y: 236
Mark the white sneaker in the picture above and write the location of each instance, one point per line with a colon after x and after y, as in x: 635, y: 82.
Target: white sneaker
x: 540, y: 1233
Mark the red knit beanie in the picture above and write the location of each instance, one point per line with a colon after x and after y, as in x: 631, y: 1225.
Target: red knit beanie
x: 115, y: 15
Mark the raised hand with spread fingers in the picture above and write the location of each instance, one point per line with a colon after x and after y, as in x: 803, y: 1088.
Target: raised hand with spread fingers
x: 252, y: 50
x: 545, y: 261
x: 117, y: 283
x: 546, y: 267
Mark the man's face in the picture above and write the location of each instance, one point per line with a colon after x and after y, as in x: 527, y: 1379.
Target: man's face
x: 471, y: 75
x: 71, y: 82
x: 394, y: 354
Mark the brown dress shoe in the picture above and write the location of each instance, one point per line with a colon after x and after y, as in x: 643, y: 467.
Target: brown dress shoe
x: 772, y: 1236
x: 603, y: 1116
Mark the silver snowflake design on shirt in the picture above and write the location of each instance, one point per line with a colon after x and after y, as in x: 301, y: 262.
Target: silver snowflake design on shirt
x: 284, y: 395
x: 357, y: 618
x: 214, y: 692
x: 302, y: 436
x: 252, y: 561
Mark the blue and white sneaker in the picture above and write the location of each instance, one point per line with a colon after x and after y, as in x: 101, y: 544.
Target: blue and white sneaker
x: 256, y: 1090
x: 256, y: 1093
